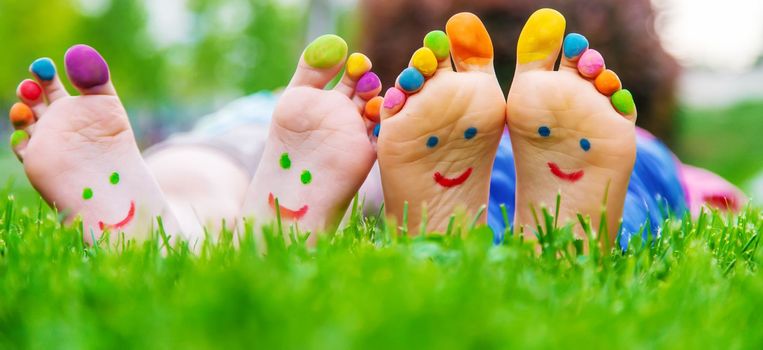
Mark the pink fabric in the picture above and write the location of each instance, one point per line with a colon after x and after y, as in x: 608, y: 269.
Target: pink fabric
x: 704, y: 188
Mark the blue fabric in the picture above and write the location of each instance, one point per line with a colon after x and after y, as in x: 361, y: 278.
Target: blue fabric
x: 654, y: 191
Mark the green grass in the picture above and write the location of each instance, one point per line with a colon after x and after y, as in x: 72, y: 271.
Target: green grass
x: 368, y: 286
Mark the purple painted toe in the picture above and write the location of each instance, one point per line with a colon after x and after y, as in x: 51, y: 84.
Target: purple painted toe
x: 85, y: 67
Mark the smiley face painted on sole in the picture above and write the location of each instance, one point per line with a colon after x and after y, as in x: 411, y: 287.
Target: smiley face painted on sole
x: 88, y: 194
x: 572, y: 175
x: 443, y: 180
x: 305, y: 177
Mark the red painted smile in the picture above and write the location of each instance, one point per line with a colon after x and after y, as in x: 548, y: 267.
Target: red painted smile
x: 558, y: 172
x: 121, y: 224
x: 452, y: 181
x: 286, y: 212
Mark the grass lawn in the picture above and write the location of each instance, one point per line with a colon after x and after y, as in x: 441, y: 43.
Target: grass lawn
x: 369, y: 286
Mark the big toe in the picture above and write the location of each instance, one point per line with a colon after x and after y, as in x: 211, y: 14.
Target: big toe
x: 470, y: 43
x: 540, y: 40
x: 88, y: 71
x: 321, y: 62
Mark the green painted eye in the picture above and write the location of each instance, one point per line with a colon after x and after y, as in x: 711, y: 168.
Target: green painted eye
x: 87, y: 193
x: 306, y: 177
x: 285, y: 161
x: 114, y: 178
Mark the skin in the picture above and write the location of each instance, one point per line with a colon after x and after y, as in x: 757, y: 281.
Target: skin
x: 447, y: 105
x: 569, y: 104
x: 77, y: 142
x: 325, y: 133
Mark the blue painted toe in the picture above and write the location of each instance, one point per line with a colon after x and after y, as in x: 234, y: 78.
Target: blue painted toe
x: 44, y: 69
x: 410, y: 80
x: 574, y: 45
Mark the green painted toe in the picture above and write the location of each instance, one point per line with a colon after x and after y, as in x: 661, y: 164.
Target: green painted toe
x: 326, y: 51
x: 623, y: 102
x: 18, y: 137
x: 438, y: 42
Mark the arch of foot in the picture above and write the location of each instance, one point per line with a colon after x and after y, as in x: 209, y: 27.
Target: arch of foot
x: 590, y: 64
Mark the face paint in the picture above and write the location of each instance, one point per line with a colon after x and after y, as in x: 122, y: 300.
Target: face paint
x: 44, y: 69
x: 285, y: 161
x: 30, y: 90
x: 541, y: 36
x: 87, y: 193
x: 574, y: 45
x: 623, y: 102
x: 372, y: 110
x: 393, y: 98
x: 470, y: 133
x: 567, y: 176
x: 544, y: 131
x: 112, y: 227
x: 585, y: 144
x: 306, y: 177
x: 285, y: 212
x: 438, y: 42
x: 469, y: 39
x: 114, y: 178
x: 357, y: 65
x: 452, y: 181
x: 85, y: 67
x: 591, y: 63
x: 410, y: 80
x: 432, y: 141
x: 21, y: 115
x: 608, y: 83
x: 325, y: 52
x: 18, y: 137
x: 377, y: 129
x: 424, y: 61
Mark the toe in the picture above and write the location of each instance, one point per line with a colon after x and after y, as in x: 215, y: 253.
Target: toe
x: 437, y: 41
x: 394, y: 99
x: 19, y: 141
x: 540, y: 41
x: 357, y: 79
x: 470, y: 43
x: 21, y: 116
x: 88, y: 71
x: 320, y: 62
x: 425, y: 61
x: 44, y: 71
x: 369, y: 86
x: 591, y: 64
x: 623, y: 103
x: 574, y: 46
x: 30, y: 93
x: 410, y: 80
x: 372, y: 109
x: 608, y: 83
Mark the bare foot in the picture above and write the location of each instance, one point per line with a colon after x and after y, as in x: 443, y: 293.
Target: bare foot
x: 80, y: 153
x: 572, y: 129
x: 440, y: 128
x: 318, y: 151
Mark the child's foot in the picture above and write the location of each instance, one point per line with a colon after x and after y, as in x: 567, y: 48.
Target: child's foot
x: 318, y: 151
x: 572, y: 130
x: 79, y: 152
x: 439, y: 136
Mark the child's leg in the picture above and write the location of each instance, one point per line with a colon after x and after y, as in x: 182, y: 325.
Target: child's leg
x: 572, y: 129
x: 318, y: 151
x: 79, y: 152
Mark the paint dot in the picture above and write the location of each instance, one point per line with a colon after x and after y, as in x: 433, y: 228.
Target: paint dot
x: 114, y: 178
x: 470, y: 133
x: 544, y: 131
x: 377, y: 129
x: 306, y: 177
x: 285, y: 161
x: 87, y: 193
x: 432, y: 141
x: 585, y: 144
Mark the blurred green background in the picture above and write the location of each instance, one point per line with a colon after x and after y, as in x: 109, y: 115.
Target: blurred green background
x: 171, y: 67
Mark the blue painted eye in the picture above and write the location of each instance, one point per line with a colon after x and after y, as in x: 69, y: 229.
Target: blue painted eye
x: 470, y: 133
x: 585, y: 144
x: 544, y: 131
x: 432, y: 141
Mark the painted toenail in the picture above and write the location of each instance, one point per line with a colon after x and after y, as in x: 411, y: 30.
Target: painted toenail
x: 373, y: 108
x: 544, y: 131
x: 410, y: 80
x: 377, y: 129
x: 30, y: 90
x: 469, y: 39
x: 368, y: 82
x: 85, y: 67
x: 357, y: 65
x: 425, y: 61
x: 438, y: 42
x: 541, y: 36
x: 432, y: 141
x: 325, y: 51
x: 623, y: 102
x: 393, y: 98
x: 585, y: 144
x: 574, y: 45
x: 21, y: 115
x: 608, y: 83
x: 591, y: 63
x: 44, y: 69
x: 18, y: 137
x: 470, y: 133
